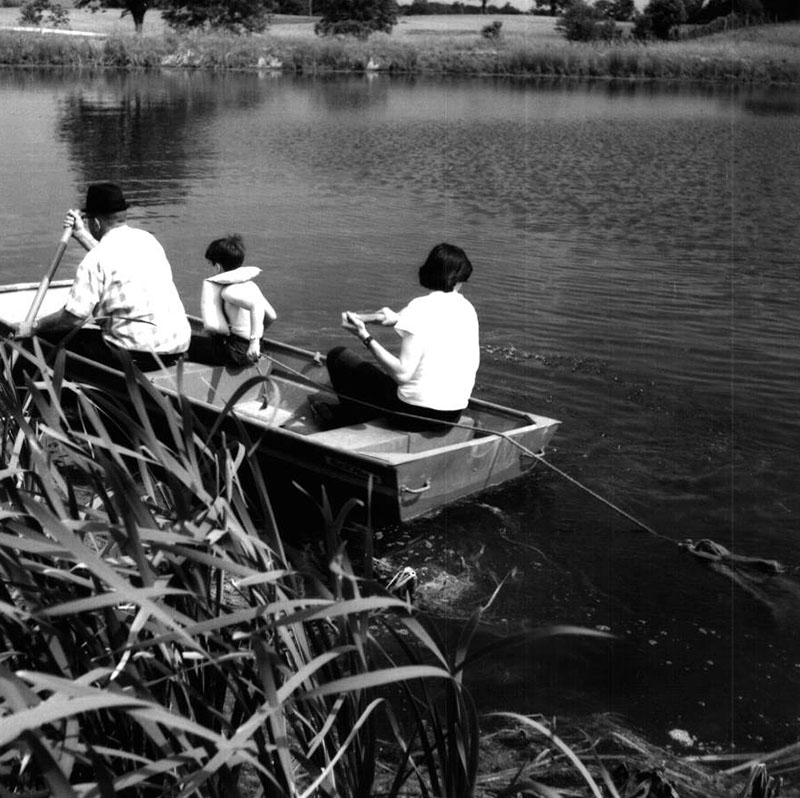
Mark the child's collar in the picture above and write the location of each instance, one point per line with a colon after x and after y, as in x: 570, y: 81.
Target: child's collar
x: 241, y: 275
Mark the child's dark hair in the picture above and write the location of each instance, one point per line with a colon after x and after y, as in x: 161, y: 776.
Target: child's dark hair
x: 445, y: 266
x: 228, y: 252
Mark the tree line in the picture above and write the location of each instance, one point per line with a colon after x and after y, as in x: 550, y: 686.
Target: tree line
x: 579, y: 20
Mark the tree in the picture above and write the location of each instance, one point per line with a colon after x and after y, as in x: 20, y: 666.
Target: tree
x: 136, y: 8
x: 554, y: 6
x: 581, y: 22
x: 660, y: 19
x: 293, y: 7
x: 357, y: 17
x: 752, y: 9
x: 238, y: 16
x: 618, y: 10
x: 782, y: 10
x: 33, y: 13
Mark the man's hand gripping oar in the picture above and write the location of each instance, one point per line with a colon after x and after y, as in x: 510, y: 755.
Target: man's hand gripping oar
x: 26, y: 328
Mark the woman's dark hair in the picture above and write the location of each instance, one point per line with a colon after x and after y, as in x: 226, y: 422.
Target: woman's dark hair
x: 445, y: 266
x: 228, y: 252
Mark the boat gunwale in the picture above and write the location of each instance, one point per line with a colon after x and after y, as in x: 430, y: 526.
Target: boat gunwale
x: 539, y: 423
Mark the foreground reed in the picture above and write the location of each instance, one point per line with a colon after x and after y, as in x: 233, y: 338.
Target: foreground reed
x: 158, y: 638
x: 764, y: 55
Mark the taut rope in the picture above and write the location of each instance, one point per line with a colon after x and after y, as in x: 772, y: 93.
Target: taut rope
x: 524, y: 449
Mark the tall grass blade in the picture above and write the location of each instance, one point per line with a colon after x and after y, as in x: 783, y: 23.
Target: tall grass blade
x: 571, y: 755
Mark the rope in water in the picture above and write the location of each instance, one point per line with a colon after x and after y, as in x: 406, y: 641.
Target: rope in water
x: 530, y: 453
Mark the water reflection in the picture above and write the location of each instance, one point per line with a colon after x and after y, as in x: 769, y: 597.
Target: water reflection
x: 774, y: 101
x: 133, y: 127
x: 345, y: 94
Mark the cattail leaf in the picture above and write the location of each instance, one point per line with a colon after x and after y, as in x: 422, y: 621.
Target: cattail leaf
x: 366, y: 681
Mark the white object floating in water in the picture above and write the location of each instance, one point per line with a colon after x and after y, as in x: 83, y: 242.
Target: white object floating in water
x: 682, y: 737
x: 372, y: 65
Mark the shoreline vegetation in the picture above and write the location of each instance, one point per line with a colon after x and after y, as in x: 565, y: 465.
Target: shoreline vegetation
x: 527, y: 47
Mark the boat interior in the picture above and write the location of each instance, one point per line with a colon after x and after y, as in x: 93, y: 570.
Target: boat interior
x: 279, y: 400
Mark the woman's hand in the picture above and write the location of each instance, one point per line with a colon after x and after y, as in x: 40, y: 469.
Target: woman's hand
x: 387, y: 317
x: 352, y: 323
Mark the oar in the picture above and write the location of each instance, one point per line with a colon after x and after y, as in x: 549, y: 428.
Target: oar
x: 45, y: 283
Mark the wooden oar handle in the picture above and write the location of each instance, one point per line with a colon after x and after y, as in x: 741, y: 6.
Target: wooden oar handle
x: 370, y: 318
x: 45, y: 283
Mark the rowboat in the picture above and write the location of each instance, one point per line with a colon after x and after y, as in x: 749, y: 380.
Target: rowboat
x: 397, y: 474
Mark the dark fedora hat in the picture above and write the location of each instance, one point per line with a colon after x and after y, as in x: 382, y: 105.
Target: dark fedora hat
x: 103, y: 199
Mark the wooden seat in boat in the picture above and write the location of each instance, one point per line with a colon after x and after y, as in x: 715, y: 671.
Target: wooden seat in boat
x: 378, y: 435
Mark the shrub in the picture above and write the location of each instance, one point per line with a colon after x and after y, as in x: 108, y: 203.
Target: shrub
x: 661, y: 19
x: 618, y: 10
x: 752, y: 9
x: 581, y: 22
x: 33, y: 13
x: 237, y: 16
x: 357, y: 18
x: 722, y: 24
x: 492, y: 30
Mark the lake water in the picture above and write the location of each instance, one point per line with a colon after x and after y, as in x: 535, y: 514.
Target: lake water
x: 636, y: 276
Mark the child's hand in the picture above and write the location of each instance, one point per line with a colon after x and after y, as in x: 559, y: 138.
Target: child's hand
x: 254, y: 350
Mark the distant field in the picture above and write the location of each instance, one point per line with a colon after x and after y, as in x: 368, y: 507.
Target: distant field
x: 110, y: 22
x: 531, y: 30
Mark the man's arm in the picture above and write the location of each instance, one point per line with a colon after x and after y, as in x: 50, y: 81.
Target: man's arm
x: 80, y: 232
x: 59, y: 323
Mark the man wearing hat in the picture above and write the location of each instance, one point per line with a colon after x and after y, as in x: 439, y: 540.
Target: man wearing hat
x: 124, y: 283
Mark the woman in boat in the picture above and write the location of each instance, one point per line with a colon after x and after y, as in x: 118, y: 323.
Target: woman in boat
x: 431, y: 379
x: 233, y: 307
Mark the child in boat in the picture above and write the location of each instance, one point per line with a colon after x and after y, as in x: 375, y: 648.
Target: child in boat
x: 233, y: 307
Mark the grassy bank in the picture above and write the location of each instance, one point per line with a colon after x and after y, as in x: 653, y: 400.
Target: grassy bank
x: 528, y: 47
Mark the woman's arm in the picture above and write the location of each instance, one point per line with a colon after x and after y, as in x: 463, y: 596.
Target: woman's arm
x: 401, y: 369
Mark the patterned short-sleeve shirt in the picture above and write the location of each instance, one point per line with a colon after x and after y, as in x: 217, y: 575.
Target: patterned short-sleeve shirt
x: 125, y: 283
